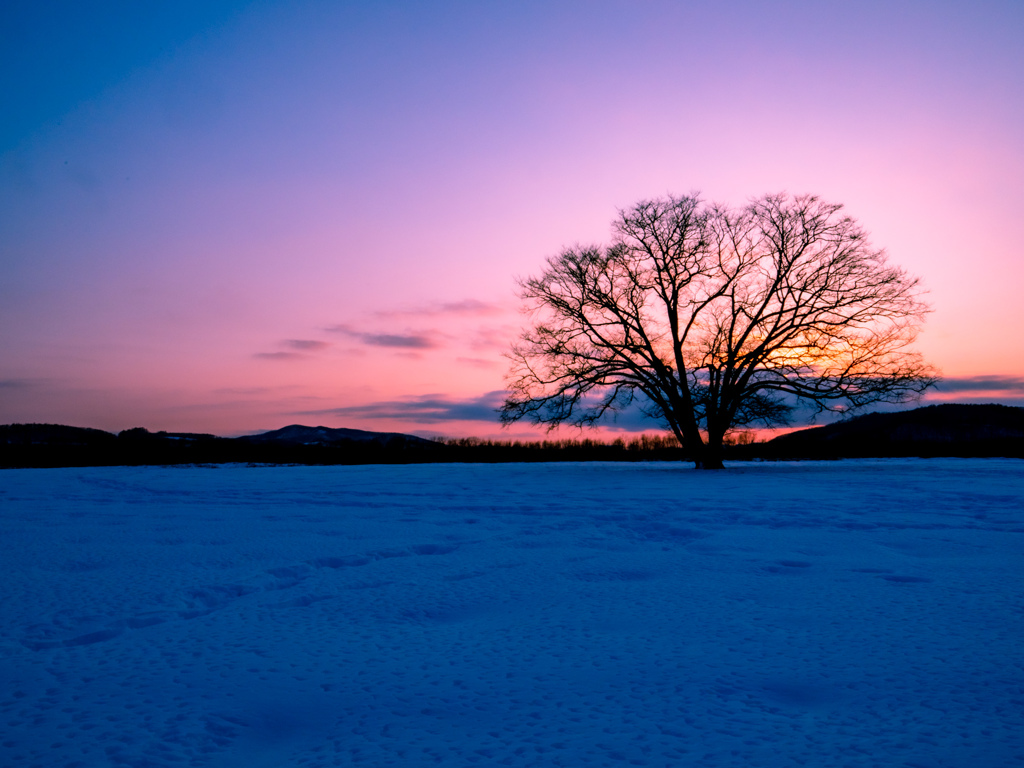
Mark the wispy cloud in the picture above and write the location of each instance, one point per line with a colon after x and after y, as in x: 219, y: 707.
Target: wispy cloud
x: 1014, y: 384
x: 493, y: 337
x: 256, y: 391
x: 405, y: 341
x: 306, y: 345
x: 428, y: 409
x: 280, y: 356
x: 478, y: 362
x: 299, y: 349
x: 410, y: 340
x: 458, y: 323
x: 466, y: 307
x: 18, y: 383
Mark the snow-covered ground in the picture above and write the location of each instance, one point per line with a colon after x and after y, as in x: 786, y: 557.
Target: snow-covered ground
x: 860, y: 613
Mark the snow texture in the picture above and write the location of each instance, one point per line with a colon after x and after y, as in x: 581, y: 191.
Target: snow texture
x: 859, y: 613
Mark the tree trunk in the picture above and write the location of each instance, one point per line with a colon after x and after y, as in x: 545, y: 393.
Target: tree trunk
x: 709, y: 463
x: 709, y: 455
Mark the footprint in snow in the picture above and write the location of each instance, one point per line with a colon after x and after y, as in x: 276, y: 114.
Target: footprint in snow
x: 67, y: 630
x: 786, y: 566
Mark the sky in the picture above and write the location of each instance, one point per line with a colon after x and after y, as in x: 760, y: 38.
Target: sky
x: 231, y: 216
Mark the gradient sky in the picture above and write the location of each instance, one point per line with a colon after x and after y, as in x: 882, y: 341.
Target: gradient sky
x: 232, y: 216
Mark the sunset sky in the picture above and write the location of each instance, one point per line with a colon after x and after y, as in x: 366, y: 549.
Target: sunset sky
x: 232, y: 216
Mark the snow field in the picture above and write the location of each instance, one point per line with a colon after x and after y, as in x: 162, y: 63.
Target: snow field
x: 858, y: 613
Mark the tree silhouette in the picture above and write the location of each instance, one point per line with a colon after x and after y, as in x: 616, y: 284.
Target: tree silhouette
x: 712, y: 318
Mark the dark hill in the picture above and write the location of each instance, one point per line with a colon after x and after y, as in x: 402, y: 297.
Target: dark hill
x: 52, y: 434
x: 936, y: 430
x: 298, y: 434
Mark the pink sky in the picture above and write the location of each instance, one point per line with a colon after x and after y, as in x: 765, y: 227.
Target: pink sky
x: 315, y: 213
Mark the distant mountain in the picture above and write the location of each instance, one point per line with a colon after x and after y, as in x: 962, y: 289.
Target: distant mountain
x: 140, y: 433
x: 936, y: 430
x: 298, y: 434
x: 295, y: 434
x: 56, y: 445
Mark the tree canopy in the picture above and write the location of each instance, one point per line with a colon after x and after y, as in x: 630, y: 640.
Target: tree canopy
x: 711, y: 317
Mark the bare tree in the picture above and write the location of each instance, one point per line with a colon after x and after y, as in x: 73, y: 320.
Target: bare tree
x: 711, y: 318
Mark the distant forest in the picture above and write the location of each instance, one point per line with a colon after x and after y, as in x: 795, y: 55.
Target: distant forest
x: 939, y: 430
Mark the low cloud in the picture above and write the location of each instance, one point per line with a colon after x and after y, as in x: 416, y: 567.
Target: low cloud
x: 428, y: 409
x: 17, y: 383
x: 438, y: 409
x: 1014, y: 384
x: 423, y: 340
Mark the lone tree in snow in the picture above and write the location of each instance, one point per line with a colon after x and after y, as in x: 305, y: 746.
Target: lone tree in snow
x: 712, y: 318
